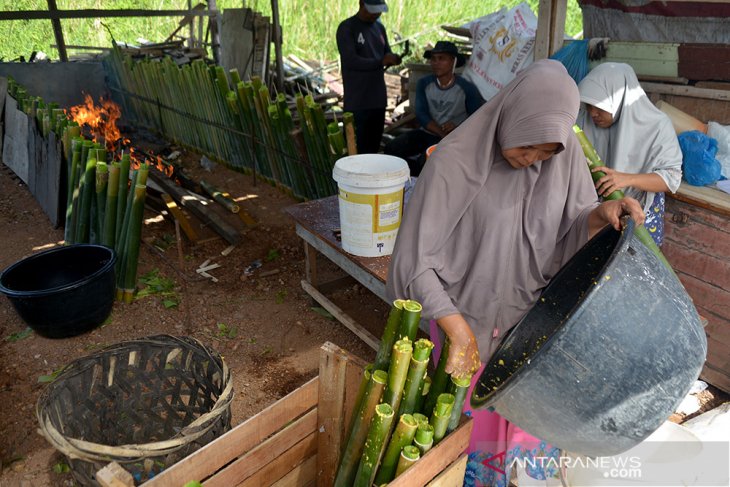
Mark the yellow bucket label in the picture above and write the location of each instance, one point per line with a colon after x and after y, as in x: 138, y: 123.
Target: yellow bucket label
x: 380, y: 212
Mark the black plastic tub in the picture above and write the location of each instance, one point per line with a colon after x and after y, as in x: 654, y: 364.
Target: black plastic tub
x: 64, y: 291
x: 607, y: 353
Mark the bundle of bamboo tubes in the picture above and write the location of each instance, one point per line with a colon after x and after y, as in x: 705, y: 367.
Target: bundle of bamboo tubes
x: 400, y: 412
x: 232, y: 121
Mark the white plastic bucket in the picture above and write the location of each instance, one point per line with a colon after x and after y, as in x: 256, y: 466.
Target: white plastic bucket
x: 371, y: 202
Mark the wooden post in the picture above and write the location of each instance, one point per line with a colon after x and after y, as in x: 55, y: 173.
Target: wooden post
x: 58, y: 33
x: 277, y: 46
x: 550, y: 27
x: 215, y: 40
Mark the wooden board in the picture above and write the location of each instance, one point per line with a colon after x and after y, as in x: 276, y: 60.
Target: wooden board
x: 453, y: 476
x: 652, y: 59
x: 15, y: 141
x: 704, y: 61
x: 45, y: 171
x: 3, y: 96
x: 697, y: 244
x: 241, y: 439
x: 237, y: 38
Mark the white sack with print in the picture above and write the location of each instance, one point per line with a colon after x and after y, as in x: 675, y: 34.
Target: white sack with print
x: 503, y: 45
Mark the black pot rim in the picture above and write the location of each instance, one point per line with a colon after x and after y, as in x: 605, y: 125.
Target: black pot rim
x: 13, y: 293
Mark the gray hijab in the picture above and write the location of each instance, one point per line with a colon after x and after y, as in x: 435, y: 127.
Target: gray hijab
x: 481, y: 238
x: 642, y: 139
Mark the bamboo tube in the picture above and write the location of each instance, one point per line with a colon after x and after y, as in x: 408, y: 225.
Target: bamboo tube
x: 366, y: 374
x: 410, y: 320
x: 102, y: 182
x: 594, y: 161
x: 420, y: 418
x: 110, y: 213
x: 120, y: 245
x: 439, y: 380
x: 133, y: 242
x: 416, y: 374
x: 122, y: 196
x: 374, y: 445
x: 87, y: 189
x: 425, y: 388
x: 459, y: 389
x: 382, y: 359
x: 401, y: 359
x: 361, y: 420
x: 403, y: 436
x: 224, y: 199
x: 424, y: 437
x: 441, y: 415
x: 407, y: 458
x: 348, y: 119
x: 69, y: 231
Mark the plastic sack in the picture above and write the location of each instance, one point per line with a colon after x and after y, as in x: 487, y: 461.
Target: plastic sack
x: 504, y: 42
x: 699, y: 165
x: 721, y: 133
x: 574, y: 57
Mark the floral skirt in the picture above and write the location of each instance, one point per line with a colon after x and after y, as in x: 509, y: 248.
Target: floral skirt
x: 496, y: 445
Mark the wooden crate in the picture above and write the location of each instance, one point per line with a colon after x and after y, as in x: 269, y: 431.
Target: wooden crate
x: 296, y: 441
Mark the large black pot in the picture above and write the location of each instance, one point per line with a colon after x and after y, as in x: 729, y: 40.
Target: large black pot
x: 610, y: 349
x: 64, y: 291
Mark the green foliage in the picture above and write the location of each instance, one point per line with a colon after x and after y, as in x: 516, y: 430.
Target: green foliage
x: 323, y: 312
x: 61, y: 468
x: 273, y: 254
x: 280, y: 296
x: 225, y: 331
x: 308, y: 28
x: 161, y: 286
x: 193, y: 483
x: 19, y: 335
x: 43, y: 379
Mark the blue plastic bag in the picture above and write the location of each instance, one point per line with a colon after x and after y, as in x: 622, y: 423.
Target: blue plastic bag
x: 699, y: 165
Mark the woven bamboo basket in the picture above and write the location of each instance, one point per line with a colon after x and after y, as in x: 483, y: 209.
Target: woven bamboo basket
x: 143, y: 403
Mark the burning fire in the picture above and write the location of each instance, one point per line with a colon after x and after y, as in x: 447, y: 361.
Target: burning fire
x: 101, y: 120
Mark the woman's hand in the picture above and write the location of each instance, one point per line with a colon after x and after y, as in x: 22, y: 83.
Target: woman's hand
x: 463, y: 359
x: 610, y: 212
x: 612, y: 181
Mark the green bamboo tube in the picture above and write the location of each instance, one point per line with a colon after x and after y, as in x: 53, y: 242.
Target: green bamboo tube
x: 133, y: 242
x: 110, y: 213
x: 420, y: 418
x: 224, y: 199
x: 439, y: 380
x: 397, y: 373
x: 120, y: 245
x: 382, y: 358
x: 403, y: 436
x: 122, y: 196
x: 410, y: 320
x: 407, y: 458
x: 69, y: 231
x: 459, y: 389
x: 416, y: 375
x: 374, y: 445
x: 102, y: 183
x: 87, y: 191
x: 425, y: 388
x: 424, y: 438
x: 361, y: 420
x: 235, y: 76
x: 441, y: 415
x: 348, y: 120
x: 366, y: 374
x: 594, y: 161
x: 337, y: 142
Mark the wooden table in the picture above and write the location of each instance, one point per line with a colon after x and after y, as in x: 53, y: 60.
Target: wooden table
x: 316, y: 223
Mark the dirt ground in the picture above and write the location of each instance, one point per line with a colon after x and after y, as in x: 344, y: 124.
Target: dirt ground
x: 260, y: 321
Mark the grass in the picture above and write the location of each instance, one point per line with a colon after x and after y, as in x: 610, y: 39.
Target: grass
x: 308, y: 28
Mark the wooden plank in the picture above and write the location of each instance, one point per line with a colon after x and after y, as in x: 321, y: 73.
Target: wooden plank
x: 704, y: 197
x: 58, y: 32
x: 15, y: 141
x: 690, y: 91
x: 438, y: 458
x: 181, y: 218
x: 265, y: 452
x: 93, y: 13
x: 113, y: 475
x: 310, y: 264
x: 711, y: 269
x: 542, y: 35
x: 557, y: 25
x: 304, y: 475
x: 704, y: 61
x: 715, y: 302
x: 453, y: 476
x: 339, y: 376
x: 240, y: 439
x: 274, y: 472
x: 330, y: 420
x: 343, y: 318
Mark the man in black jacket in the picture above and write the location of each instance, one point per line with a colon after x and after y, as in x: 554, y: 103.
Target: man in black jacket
x: 364, y: 54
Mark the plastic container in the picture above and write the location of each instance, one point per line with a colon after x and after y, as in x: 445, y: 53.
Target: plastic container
x: 371, y: 202
x: 64, y: 291
x: 606, y: 354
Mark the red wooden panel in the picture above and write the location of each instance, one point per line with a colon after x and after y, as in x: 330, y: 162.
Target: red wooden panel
x: 711, y: 298
x: 703, y: 266
x: 704, y: 61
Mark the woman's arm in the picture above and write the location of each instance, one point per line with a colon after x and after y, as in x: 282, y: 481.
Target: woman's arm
x: 463, y: 360
x: 615, y: 180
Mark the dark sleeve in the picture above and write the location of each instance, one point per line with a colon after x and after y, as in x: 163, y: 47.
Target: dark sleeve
x: 422, y: 112
x: 473, y: 98
x: 348, y: 54
x: 385, y: 36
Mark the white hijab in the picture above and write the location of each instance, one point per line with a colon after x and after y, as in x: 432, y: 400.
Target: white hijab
x: 641, y: 139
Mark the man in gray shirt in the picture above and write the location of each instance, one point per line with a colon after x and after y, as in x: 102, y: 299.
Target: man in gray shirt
x: 443, y: 101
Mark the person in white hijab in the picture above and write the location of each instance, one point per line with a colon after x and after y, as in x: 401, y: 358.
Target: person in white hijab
x: 635, y: 140
x: 502, y: 203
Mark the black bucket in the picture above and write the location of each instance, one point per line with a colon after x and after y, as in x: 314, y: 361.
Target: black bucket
x: 607, y: 353
x: 64, y: 291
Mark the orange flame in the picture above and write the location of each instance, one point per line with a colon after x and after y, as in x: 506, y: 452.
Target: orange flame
x: 101, y: 120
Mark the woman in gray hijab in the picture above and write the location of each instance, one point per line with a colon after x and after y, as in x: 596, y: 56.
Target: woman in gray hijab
x: 503, y: 202
x: 634, y: 139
